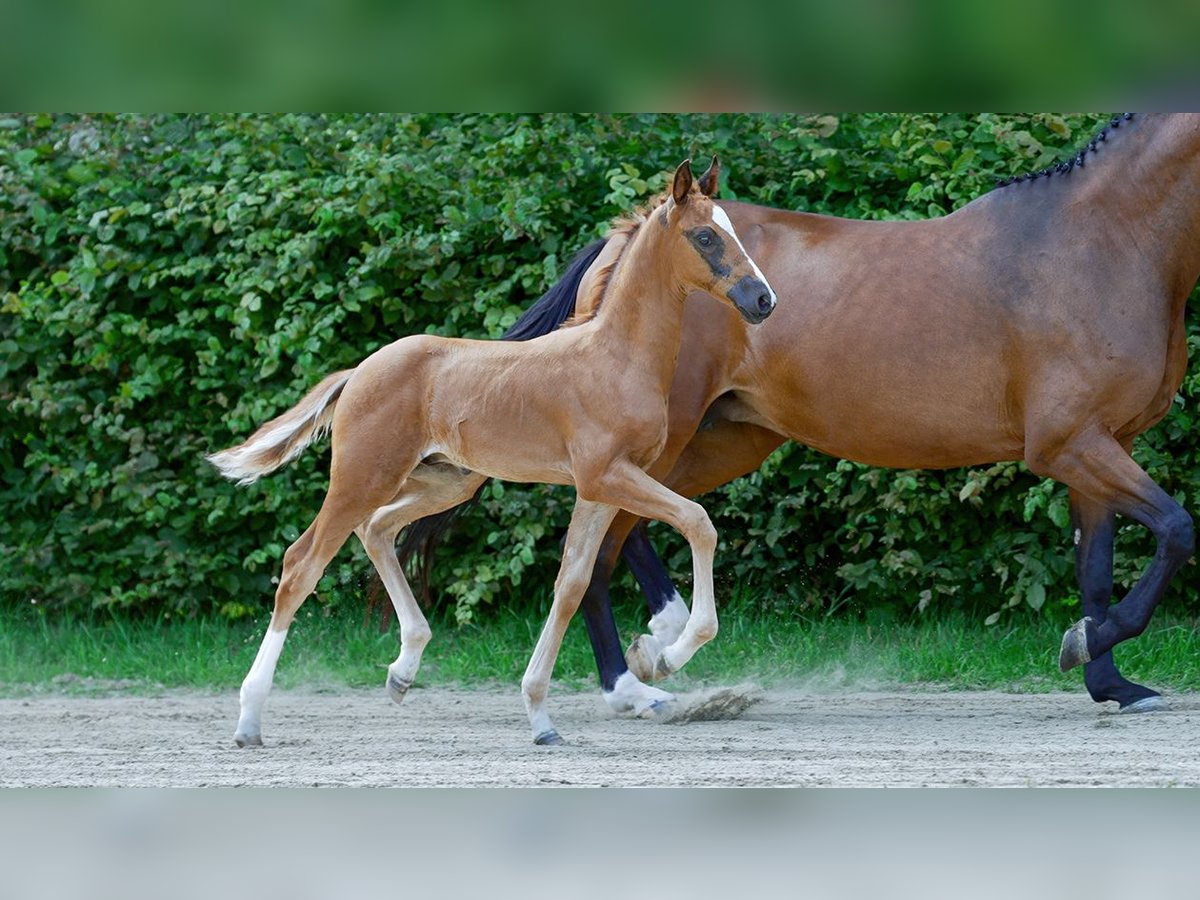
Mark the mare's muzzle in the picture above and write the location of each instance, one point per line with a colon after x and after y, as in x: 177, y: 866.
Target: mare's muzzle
x: 753, y: 299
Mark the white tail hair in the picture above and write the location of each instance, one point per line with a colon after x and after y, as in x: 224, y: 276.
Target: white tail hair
x: 284, y: 438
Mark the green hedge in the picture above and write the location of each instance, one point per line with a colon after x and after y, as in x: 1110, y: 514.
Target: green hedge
x: 168, y: 283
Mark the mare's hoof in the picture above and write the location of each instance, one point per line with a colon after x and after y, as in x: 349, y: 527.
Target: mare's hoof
x: 1154, y: 703
x: 548, y: 739
x: 1074, y: 650
x: 660, y: 710
x: 248, y: 740
x: 397, y: 688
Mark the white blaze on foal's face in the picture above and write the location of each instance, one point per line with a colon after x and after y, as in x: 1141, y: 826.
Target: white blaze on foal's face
x: 721, y: 220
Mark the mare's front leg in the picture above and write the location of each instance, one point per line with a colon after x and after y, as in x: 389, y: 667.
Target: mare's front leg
x: 668, y: 611
x: 589, y: 522
x: 1094, y: 530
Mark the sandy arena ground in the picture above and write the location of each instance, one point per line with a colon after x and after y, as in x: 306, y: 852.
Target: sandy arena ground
x: 458, y: 737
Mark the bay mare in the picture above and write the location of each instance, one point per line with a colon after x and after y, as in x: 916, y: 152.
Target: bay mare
x: 1044, y: 322
x: 421, y: 423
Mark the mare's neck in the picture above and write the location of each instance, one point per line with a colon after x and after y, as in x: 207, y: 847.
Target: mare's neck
x: 1152, y: 186
x: 640, y: 318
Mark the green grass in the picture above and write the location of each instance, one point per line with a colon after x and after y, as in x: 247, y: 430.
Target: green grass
x: 331, y: 648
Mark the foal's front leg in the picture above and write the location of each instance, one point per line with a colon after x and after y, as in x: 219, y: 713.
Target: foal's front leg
x: 589, y: 522
x: 632, y: 489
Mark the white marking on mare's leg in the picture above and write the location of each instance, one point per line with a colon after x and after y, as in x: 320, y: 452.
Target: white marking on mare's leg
x: 631, y: 695
x: 702, y: 623
x: 256, y: 686
x: 723, y: 221
x: 1078, y: 536
x: 668, y: 623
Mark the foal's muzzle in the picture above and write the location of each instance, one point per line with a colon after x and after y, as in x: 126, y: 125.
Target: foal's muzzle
x: 753, y: 298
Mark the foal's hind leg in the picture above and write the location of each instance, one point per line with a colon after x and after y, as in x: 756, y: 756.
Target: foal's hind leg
x: 362, y: 478
x: 424, y: 494
x: 1094, y: 529
x: 303, y: 564
x: 1097, y: 466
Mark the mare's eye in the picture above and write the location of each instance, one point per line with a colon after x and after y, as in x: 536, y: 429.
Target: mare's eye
x: 704, y: 238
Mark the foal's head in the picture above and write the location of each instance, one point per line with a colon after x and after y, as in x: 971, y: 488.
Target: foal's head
x: 709, y: 257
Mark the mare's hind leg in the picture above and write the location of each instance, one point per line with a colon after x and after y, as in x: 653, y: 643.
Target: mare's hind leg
x: 589, y: 522
x: 668, y: 611
x: 1094, y: 530
x: 1096, y: 465
x: 429, y: 490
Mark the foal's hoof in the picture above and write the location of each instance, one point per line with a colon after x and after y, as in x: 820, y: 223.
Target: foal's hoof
x: 548, y: 739
x: 397, y: 687
x: 645, y: 659
x: 641, y: 655
x: 248, y: 740
x: 1074, y: 650
x: 1146, y: 704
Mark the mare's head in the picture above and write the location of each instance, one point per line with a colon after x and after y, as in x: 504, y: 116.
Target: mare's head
x: 709, y: 256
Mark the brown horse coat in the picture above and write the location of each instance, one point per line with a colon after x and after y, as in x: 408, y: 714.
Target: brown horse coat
x: 420, y: 423
x: 1041, y: 322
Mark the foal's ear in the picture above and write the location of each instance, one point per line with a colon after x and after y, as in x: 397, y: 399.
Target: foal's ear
x: 683, y: 182
x: 710, y: 180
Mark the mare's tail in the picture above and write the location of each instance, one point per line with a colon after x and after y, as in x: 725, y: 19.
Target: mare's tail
x: 283, y: 439
x: 552, y: 309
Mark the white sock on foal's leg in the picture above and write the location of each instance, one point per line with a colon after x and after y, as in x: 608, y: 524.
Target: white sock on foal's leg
x: 255, y: 688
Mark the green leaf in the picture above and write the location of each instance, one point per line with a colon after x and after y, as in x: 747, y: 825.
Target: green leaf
x: 964, y: 160
x: 1035, y: 595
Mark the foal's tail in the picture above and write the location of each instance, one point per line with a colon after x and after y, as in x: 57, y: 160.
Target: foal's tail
x: 283, y: 439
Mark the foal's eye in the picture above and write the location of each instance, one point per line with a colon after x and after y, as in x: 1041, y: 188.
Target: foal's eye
x: 704, y: 238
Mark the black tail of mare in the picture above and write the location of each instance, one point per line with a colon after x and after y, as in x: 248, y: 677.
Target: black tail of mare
x: 547, y: 314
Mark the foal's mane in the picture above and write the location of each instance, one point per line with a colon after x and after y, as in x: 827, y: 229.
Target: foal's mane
x: 1079, y: 159
x: 622, y: 229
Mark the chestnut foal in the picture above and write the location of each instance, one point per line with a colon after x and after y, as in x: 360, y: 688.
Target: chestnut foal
x: 419, y: 425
